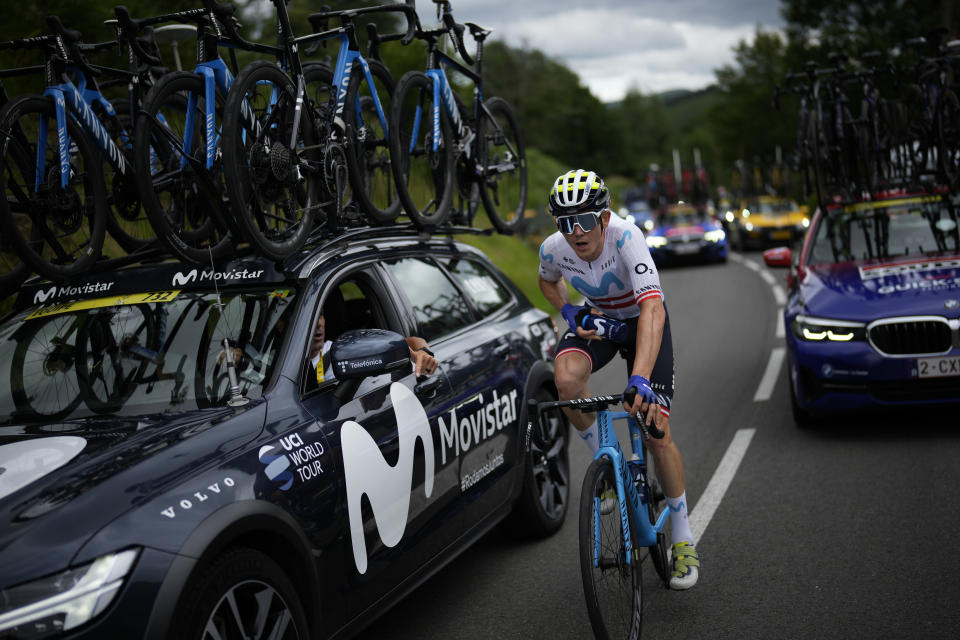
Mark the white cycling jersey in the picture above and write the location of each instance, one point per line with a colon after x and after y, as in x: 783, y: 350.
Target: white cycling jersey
x: 616, y: 282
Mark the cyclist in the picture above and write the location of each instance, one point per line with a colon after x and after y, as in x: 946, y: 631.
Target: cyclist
x: 606, y: 259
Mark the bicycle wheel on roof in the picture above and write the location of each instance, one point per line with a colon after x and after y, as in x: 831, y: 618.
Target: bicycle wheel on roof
x: 422, y: 160
x: 53, y: 210
x: 501, y: 165
x: 274, y: 191
x: 178, y: 195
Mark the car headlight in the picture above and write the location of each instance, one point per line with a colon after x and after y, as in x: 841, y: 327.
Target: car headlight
x: 714, y: 235
x: 656, y: 242
x: 65, y: 600
x: 729, y: 216
x: 827, y: 330
x: 805, y: 223
x: 648, y: 225
x: 629, y: 218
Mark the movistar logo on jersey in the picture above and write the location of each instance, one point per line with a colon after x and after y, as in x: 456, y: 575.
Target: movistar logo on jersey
x: 180, y: 278
x: 367, y: 473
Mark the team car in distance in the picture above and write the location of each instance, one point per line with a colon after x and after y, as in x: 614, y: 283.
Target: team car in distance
x: 872, y: 318
x: 766, y: 221
x: 173, y: 464
x: 685, y: 233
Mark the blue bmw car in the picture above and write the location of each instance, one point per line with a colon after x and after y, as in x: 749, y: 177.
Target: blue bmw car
x: 685, y: 233
x: 873, y: 313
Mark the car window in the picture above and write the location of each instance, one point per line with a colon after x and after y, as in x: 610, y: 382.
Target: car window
x: 876, y: 232
x: 439, y: 307
x: 167, y: 352
x: 481, y: 286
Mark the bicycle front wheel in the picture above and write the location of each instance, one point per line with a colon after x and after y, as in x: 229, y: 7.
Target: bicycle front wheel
x: 422, y: 161
x: 274, y: 189
x: 613, y: 588
x: 57, y: 226
x: 179, y: 196
x: 368, y: 148
x: 502, y: 166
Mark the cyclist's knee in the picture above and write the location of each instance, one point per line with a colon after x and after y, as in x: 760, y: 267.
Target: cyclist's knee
x: 571, y: 374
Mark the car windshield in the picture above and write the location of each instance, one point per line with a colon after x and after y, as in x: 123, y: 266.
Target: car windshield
x: 900, y: 228
x: 162, y: 352
x: 681, y: 216
x: 772, y: 207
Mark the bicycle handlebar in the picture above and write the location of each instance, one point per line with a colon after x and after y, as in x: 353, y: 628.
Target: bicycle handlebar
x: 71, y: 41
x: 129, y: 28
x: 408, y: 9
x: 457, y: 30
x: 597, y: 403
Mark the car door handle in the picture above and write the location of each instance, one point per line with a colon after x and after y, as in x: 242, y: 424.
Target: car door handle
x: 428, y: 385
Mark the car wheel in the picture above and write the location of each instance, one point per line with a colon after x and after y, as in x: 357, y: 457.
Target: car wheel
x: 545, y: 495
x: 242, y: 594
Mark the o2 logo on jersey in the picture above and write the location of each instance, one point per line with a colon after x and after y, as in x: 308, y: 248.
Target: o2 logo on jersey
x: 641, y: 269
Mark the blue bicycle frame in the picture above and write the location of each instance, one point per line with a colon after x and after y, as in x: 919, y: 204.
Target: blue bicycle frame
x: 215, y: 76
x: 341, y: 77
x: 79, y: 101
x: 629, y: 498
x: 443, y: 94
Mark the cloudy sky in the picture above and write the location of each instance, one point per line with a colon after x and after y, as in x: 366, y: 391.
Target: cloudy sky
x: 613, y: 45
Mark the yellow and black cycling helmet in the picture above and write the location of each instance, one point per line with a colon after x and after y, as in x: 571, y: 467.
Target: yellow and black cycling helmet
x: 578, y: 191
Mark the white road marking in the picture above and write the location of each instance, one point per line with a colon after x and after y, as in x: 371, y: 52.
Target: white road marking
x: 768, y: 278
x: 765, y: 390
x: 707, y: 505
x: 779, y: 295
x: 779, y: 322
x: 752, y: 265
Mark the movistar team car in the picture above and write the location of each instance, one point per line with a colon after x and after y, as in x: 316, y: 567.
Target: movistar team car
x: 767, y: 220
x: 873, y: 313
x: 174, y: 464
x: 684, y: 232
x: 638, y: 212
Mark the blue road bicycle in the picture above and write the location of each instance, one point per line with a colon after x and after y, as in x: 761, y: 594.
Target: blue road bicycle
x: 317, y: 147
x: 622, y: 513
x: 57, y: 208
x: 178, y: 146
x: 438, y: 142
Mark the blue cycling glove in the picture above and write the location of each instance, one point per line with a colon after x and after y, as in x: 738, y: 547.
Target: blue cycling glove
x: 643, y: 389
x: 569, y: 313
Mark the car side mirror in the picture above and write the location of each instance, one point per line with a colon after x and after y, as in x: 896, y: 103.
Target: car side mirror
x: 361, y: 353
x: 777, y: 257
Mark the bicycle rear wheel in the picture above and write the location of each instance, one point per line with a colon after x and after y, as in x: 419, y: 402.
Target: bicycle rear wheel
x: 274, y: 190
x: 56, y: 228
x: 172, y: 190
x: 656, y: 502
x: 502, y: 165
x: 613, y: 588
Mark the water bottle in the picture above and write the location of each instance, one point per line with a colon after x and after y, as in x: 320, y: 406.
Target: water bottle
x: 606, y: 328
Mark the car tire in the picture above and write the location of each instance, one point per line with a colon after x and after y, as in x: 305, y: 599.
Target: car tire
x: 266, y: 601
x: 545, y: 495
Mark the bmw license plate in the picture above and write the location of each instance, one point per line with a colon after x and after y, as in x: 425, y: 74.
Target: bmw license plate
x: 687, y: 248
x: 938, y: 367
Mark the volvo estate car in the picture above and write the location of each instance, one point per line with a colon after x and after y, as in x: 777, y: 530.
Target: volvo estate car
x: 173, y: 464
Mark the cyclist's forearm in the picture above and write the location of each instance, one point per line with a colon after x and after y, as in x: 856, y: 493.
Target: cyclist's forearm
x: 555, y: 292
x: 649, y: 333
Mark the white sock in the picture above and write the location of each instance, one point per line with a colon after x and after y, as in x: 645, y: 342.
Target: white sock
x: 591, y: 437
x: 679, y: 524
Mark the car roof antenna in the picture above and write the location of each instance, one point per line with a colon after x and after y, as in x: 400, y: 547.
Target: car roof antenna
x: 237, y: 399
